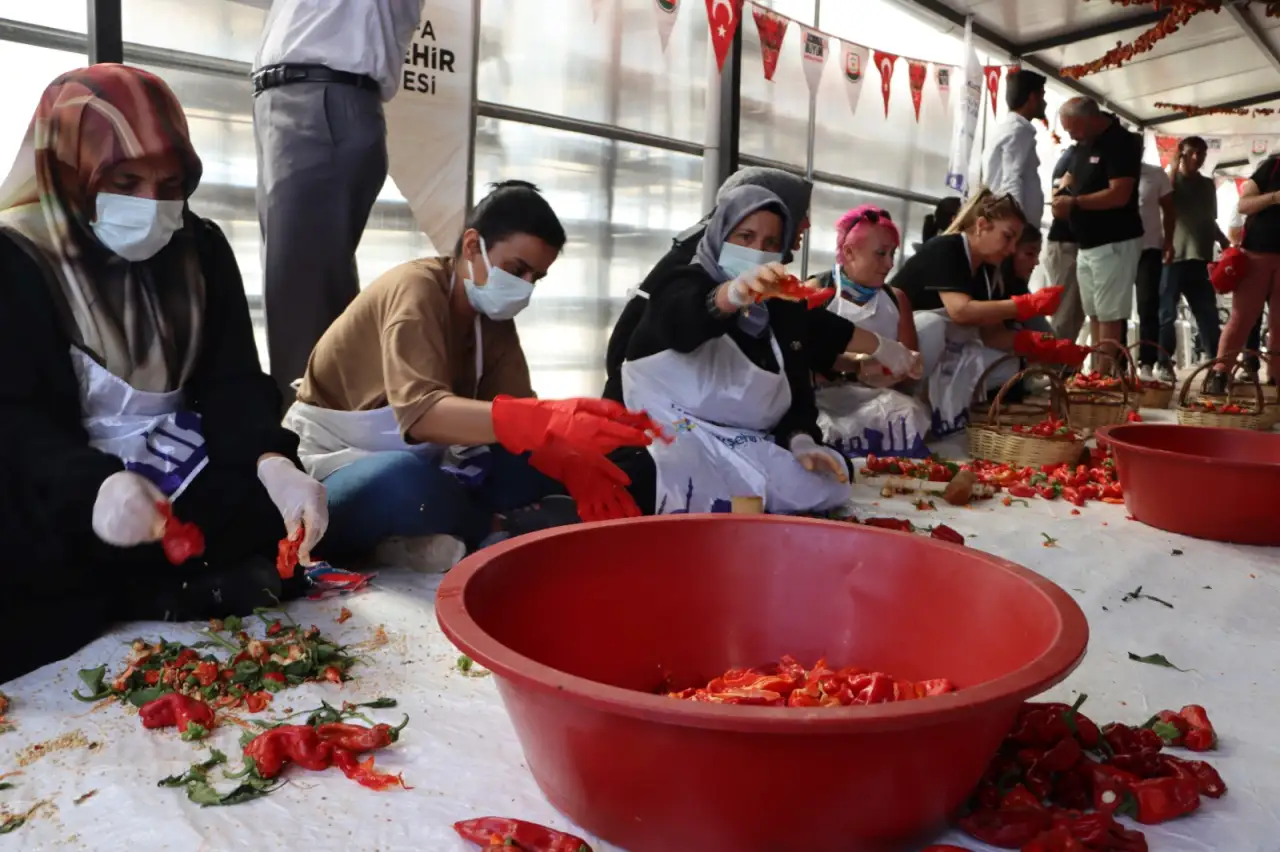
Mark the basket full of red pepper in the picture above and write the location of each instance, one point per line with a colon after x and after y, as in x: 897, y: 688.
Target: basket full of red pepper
x: 1059, y: 779
x: 1051, y: 440
x: 1208, y: 410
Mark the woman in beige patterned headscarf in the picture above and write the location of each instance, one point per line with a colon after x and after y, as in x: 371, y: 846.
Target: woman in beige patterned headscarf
x: 132, y: 386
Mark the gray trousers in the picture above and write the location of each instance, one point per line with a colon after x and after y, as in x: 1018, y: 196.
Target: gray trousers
x: 322, y: 160
x: 1058, y: 260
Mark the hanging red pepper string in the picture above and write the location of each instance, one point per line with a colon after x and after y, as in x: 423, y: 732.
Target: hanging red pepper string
x: 182, y: 541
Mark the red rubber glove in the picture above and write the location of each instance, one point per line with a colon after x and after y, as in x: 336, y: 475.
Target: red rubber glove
x: 1047, y: 349
x: 598, y: 486
x: 585, y: 425
x: 1041, y: 303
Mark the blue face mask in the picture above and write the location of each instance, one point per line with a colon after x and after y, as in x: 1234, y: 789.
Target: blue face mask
x: 738, y: 261
x: 502, y: 295
x: 859, y: 292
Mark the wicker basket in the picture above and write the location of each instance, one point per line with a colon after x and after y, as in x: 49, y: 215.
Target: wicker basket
x: 1090, y: 409
x: 1154, y: 394
x: 1255, y: 413
x: 1026, y: 413
x: 996, y: 441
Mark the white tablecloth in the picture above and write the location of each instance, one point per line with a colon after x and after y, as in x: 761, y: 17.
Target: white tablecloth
x: 460, y: 753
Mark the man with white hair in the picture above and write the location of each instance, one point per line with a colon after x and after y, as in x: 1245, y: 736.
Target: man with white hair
x: 1103, y: 211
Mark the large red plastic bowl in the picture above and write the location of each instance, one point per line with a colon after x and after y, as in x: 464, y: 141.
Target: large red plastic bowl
x: 581, y: 624
x: 1219, y: 484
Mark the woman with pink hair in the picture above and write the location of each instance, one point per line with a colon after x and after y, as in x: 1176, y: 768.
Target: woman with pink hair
x: 861, y: 411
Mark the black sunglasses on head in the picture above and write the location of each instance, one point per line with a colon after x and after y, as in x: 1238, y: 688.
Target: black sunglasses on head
x: 872, y: 216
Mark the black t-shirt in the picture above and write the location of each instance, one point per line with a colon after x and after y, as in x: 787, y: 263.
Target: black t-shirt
x: 1262, y: 230
x: 1116, y: 153
x: 942, y: 266
x: 1060, y: 230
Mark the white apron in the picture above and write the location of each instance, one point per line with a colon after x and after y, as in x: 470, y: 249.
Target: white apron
x: 963, y: 360
x: 329, y: 440
x: 857, y: 419
x: 720, y: 407
x: 150, y: 432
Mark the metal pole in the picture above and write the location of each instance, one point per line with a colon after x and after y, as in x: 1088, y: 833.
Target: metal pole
x: 723, y: 121
x: 813, y: 123
x: 475, y: 98
x: 106, y: 33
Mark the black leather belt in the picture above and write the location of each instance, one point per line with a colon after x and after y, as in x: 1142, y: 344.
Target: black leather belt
x: 271, y: 76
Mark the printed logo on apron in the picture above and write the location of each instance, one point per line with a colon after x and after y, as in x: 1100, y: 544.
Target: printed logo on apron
x: 149, y: 432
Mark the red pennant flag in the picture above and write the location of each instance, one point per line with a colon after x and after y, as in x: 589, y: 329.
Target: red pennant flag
x: 723, y: 17
x: 772, y: 28
x: 992, y: 73
x: 917, y: 73
x: 884, y: 61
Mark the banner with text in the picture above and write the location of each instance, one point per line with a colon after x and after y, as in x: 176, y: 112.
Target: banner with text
x: 429, y: 121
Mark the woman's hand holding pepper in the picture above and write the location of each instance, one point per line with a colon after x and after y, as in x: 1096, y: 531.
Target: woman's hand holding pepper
x: 762, y: 283
x: 126, y: 512
x: 583, y: 425
x: 1041, y: 303
x: 300, y: 499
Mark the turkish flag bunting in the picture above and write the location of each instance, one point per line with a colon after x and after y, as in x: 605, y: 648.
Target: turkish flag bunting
x: 992, y: 73
x: 917, y: 73
x: 772, y: 28
x: 884, y: 61
x: 723, y: 16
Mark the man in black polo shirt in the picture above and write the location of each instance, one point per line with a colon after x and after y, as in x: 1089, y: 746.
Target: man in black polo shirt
x: 1059, y: 261
x: 1103, y: 211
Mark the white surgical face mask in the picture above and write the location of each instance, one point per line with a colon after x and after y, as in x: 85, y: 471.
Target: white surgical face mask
x: 136, y: 228
x: 503, y: 295
x: 738, y: 260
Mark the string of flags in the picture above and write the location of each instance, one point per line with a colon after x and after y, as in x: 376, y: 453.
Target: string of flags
x: 725, y: 16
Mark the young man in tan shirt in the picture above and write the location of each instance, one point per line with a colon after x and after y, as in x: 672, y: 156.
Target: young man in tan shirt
x: 416, y: 409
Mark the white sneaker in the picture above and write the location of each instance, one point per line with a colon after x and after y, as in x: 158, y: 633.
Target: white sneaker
x: 429, y: 554
x: 1164, y: 373
x: 1145, y: 374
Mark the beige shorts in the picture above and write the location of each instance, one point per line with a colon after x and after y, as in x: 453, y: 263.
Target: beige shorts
x: 1107, y: 275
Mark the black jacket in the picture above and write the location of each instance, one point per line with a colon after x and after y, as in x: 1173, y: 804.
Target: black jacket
x: 677, y: 316
x: 49, y: 475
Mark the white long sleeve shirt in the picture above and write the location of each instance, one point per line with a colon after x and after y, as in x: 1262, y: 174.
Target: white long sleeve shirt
x: 367, y: 37
x: 1012, y: 166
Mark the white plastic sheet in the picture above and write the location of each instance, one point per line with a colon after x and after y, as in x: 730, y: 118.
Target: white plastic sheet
x: 460, y: 753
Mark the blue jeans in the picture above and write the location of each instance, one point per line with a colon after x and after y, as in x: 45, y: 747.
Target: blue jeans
x: 400, y: 493
x: 1189, y: 279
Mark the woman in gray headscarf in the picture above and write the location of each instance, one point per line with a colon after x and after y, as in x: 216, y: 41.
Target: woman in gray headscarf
x: 726, y: 364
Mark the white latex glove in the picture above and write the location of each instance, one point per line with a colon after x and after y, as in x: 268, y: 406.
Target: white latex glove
x: 125, y: 513
x: 300, y: 499
x: 817, y: 458
x: 896, y: 358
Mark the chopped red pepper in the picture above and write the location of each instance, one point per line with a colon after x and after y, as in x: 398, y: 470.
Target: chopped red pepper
x: 890, y: 524
x: 174, y: 708
x: 332, y: 674
x: 206, y: 673
x: 182, y: 541
x: 1201, y: 737
x: 942, y: 532
x: 521, y: 835
x: 363, y: 773
x: 1157, y: 800
x: 256, y: 702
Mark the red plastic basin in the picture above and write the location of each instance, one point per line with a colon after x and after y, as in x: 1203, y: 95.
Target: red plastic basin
x: 580, y: 624
x: 1219, y: 484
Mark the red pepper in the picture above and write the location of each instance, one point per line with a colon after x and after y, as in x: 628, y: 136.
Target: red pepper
x: 1169, y: 726
x: 182, y: 541
x: 1157, y: 800
x: 206, y: 673
x: 363, y: 773
x: 890, y: 524
x: 525, y: 836
x: 1144, y: 763
x: 152, y: 677
x: 275, y: 677
x: 357, y: 738
x: 942, y: 532
x: 1009, y: 829
x: 332, y: 674
x: 174, y: 708
x: 185, y: 656
x: 1073, y: 496
x: 1020, y: 797
x: 1100, y: 831
x: 1063, y: 756
x: 257, y: 701
x: 1207, y: 779
x: 1023, y: 491
x: 1054, y: 840
x: 287, y: 553
x: 1120, y: 738
x: 1110, y: 785
x: 275, y: 628
x: 272, y: 749
x: 1201, y: 737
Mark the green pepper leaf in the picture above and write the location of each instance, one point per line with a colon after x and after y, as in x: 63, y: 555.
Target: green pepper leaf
x: 12, y: 823
x: 1155, y: 660
x: 5, y: 785
x: 95, y: 680
x: 232, y: 624
x: 464, y: 664
x: 194, y: 731
x: 1049, y: 541
x: 379, y: 703
x: 141, y: 696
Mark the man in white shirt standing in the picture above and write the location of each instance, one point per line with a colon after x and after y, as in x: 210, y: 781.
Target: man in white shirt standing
x: 323, y: 70
x: 1011, y: 165
x: 1155, y: 206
